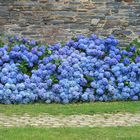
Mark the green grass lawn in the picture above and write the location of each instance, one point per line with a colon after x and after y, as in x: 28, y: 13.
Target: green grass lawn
x: 83, y: 133
x: 86, y: 133
x: 71, y: 109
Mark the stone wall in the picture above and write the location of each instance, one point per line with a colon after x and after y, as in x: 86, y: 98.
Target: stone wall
x: 57, y: 20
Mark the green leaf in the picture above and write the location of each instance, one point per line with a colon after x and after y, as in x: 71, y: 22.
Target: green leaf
x: 88, y: 78
x: 63, y: 43
x: 23, y: 66
x: 54, y: 78
x: 46, y: 45
x: 49, y: 52
x: 56, y: 61
x: 126, y: 83
x: 74, y: 38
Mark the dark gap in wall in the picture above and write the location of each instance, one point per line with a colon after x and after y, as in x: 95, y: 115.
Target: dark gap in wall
x: 118, y: 0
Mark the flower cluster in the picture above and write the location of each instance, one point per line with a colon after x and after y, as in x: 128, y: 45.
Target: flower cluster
x: 83, y: 69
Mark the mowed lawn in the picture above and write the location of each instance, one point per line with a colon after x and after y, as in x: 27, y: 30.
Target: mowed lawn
x: 86, y: 133
x: 71, y: 133
x: 72, y: 109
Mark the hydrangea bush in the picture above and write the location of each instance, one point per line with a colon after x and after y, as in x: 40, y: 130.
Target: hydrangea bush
x: 81, y: 70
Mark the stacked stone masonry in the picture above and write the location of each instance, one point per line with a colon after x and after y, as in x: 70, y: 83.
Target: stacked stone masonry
x: 55, y: 20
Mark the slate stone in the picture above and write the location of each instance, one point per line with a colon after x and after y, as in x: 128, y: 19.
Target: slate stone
x: 56, y: 19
